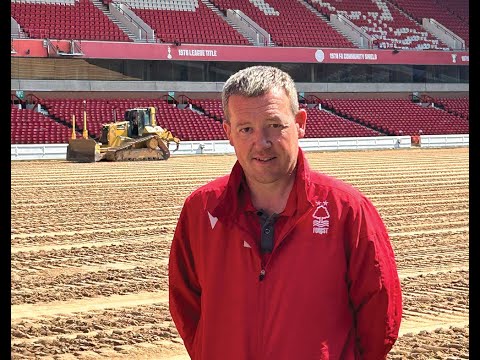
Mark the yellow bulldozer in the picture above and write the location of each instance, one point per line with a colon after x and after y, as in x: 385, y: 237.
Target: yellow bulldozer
x: 137, y: 137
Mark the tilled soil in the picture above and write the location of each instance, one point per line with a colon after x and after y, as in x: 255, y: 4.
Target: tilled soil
x: 90, y: 243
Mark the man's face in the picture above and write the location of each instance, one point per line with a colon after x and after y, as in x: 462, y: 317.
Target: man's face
x: 265, y: 134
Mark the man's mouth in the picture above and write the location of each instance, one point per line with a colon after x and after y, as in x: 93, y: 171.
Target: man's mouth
x: 264, y: 159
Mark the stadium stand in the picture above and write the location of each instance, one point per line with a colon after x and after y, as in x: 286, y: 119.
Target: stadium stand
x: 186, y: 123
x: 201, y: 119
x: 394, y: 24
x: 31, y: 127
x: 449, y: 14
x: 391, y: 28
x: 73, y: 20
x: 399, y: 116
x: 210, y: 107
x: 459, y: 107
x: 290, y: 24
x: 181, y: 23
x: 324, y: 124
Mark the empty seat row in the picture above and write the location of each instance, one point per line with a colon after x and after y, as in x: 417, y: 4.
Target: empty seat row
x: 202, y: 118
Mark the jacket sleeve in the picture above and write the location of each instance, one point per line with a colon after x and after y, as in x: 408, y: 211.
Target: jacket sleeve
x: 374, y: 284
x: 183, y: 285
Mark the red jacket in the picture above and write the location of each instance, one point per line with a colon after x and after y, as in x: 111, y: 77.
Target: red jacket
x: 329, y: 290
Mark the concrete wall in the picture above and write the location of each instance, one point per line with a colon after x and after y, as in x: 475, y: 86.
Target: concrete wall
x: 216, y: 87
x: 59, y: 151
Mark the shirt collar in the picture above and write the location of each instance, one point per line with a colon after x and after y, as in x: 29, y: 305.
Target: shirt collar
x: 236, y: 196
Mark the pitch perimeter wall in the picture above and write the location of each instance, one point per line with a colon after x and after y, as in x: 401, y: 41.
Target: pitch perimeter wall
x: 59, y: 151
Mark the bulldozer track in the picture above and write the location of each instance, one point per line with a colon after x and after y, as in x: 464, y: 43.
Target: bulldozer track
x: 128, y: 152
x: 135, y: 141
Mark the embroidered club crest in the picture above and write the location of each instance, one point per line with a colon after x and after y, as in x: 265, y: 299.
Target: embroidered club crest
x: 321, y: 218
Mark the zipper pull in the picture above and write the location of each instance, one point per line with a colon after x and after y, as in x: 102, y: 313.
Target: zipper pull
x: 262, y: 275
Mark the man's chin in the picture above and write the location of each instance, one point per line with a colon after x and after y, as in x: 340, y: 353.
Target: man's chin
x: 263, y: 177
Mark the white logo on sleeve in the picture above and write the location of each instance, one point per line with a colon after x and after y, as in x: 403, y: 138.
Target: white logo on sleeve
x: 245, y: 244
x: 320, y: 219
x: 213, y: 220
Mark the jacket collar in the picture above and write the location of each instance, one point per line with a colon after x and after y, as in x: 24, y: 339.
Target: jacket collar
x: 236, y: 196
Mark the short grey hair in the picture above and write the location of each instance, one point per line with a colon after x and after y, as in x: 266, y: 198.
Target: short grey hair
x: 256, y: 81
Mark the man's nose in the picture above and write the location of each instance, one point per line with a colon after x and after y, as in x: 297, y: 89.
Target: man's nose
x: 262, y: 138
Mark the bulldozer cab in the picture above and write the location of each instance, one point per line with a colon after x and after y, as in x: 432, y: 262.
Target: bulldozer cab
x: 138, y: 118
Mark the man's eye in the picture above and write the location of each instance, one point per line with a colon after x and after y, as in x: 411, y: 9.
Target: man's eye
x: 246, y: 130
x: 277, y: 126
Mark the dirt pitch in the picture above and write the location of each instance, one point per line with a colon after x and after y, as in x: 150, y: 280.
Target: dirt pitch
x: 90, y: 243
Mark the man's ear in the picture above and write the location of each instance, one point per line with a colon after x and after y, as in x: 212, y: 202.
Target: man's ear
x: 227, y: 127
x: 301, y: 122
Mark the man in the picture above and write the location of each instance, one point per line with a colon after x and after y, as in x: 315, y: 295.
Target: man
x: 275, y: 261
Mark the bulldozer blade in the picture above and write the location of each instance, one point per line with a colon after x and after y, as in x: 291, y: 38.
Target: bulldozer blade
x: 83, y: 150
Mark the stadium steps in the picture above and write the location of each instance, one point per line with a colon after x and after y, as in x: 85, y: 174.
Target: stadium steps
x: 327, y: 20
x: 19, y: 34
x: 99, y: 4
x: 232, y: 25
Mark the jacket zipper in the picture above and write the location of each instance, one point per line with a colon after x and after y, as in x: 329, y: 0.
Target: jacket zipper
x: 262, y: 305
x: 261, y: 278
x: 262, y: 275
